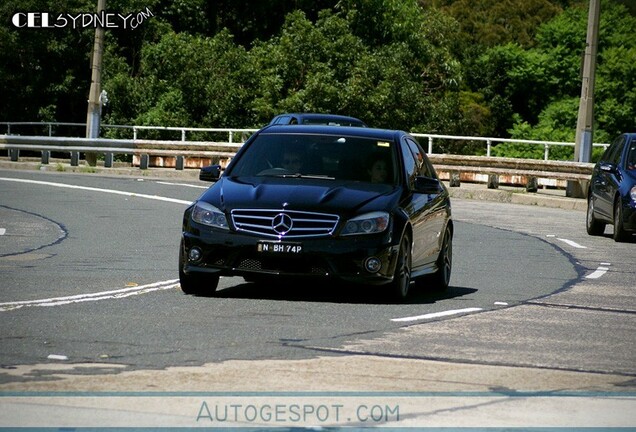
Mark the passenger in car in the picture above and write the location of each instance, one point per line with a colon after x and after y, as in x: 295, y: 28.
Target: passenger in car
x: 631, y: 159
x: 378, y: 169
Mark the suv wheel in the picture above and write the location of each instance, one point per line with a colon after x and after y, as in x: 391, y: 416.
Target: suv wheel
x: 594, y: 226
x: 619, y: 231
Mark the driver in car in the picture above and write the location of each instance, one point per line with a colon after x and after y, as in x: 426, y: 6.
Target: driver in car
x: 292, y: 160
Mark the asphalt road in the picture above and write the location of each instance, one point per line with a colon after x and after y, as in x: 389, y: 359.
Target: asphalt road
x: 88, y: 269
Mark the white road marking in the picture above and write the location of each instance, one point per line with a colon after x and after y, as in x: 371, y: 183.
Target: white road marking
x: 103, y: 295
x: 572, y: 243
x: 501, y: 303
x: 183, y: 184
x: 598, y: 273
x: 57, y: 357
x: 436, y: 315
x: 112, y: 294
x: 92, y: 189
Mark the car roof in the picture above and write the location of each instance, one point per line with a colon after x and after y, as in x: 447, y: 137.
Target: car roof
x: 382, y: 134
x: 320, y: 117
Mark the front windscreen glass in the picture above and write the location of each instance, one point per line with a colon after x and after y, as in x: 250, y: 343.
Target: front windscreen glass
x: 319, y: 156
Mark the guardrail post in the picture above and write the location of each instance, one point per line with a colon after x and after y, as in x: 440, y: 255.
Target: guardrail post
x: 134, y: 132
x: 75, y: 156
x: 488, y: 147
x: 454, y: 179
x: 180, y: 163
x: 183, y: 134
x: 493, y: 181
x: 546, y: 152
x: 108, y: 160
x: 144, y: 161
x: 430, y: 145
x: 14, y: 154
x: 46, y: 157
x: 230, y: 138
x: 50, y: 129
x: 532, y: 185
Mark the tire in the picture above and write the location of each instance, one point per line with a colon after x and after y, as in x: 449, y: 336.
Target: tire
x: 401, y: 283
x: 441, y: 278
x: 619, y: 231
x: 594, y: 226
x: 199, y: 284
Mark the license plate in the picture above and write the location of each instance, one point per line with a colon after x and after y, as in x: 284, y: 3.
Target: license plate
x: 279, y: 248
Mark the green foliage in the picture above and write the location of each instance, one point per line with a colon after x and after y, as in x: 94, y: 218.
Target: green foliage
x: 462, y: 67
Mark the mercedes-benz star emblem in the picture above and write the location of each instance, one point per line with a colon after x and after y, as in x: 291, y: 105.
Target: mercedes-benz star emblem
x: 282, y: 223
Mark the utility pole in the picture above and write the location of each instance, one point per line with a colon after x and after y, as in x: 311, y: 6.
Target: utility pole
x: 585, y: 122
x: 94, y: 114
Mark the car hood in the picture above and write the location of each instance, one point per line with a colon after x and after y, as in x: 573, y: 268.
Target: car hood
x: 325, y: 196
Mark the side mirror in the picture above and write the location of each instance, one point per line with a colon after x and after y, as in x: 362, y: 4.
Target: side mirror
x: 210, y: 173
x: 608, y: 167
x: 427, y: 185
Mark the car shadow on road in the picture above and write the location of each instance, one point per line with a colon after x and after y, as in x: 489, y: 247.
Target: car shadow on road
x: 336, y: 292
x: 629, y: 238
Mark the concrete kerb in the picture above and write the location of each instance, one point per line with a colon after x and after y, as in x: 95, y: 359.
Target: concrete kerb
x: 553, y: 198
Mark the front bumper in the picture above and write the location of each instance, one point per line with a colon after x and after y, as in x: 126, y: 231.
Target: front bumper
x: 228, y: 253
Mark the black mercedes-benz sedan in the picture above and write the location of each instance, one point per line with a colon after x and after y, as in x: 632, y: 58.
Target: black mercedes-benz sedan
x: 612, y: 193
x: 321, y: 202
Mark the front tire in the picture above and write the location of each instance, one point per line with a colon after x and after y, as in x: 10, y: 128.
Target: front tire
x: 441, y: 278
x: 594, y: 226
x: 199, y: 284
x: 619, y: 231
x: 401, y: 283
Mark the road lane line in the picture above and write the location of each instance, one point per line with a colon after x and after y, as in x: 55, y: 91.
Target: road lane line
x: 92, y: 189
x: 103, y: 295
x: 436, y: 315
x: 183, y: 184
x: 3, y: 231
x: 597, y: 273
x: 572, y: 243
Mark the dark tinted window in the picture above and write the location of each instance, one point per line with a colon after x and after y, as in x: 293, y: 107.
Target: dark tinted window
x: 337, y: 157
x: 410, y: 164
x: 613, y: 153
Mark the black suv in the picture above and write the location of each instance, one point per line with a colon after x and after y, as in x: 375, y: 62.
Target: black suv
x: 356, y: 204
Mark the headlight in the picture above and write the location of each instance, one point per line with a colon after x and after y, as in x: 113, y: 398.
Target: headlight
x: 633, y: 193
x: 370, y: 223
x: 207, y: 214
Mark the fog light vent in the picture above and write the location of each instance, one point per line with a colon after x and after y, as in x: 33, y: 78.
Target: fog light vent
x: 195, y: 254
x: 372, y: 264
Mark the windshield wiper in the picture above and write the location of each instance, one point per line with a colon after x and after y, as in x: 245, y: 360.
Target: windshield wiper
x: 305, y: 176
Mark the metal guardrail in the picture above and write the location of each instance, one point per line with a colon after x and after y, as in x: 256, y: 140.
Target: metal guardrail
x: 452, y: 167
x: 110, y: 147
x: 488, y: 141
x: 50, y: 126
x: 527, y: 172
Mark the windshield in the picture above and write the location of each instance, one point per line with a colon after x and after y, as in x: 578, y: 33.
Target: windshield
x: 319, y: 156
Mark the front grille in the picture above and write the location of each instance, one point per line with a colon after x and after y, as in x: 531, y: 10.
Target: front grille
x: 285, y: 224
